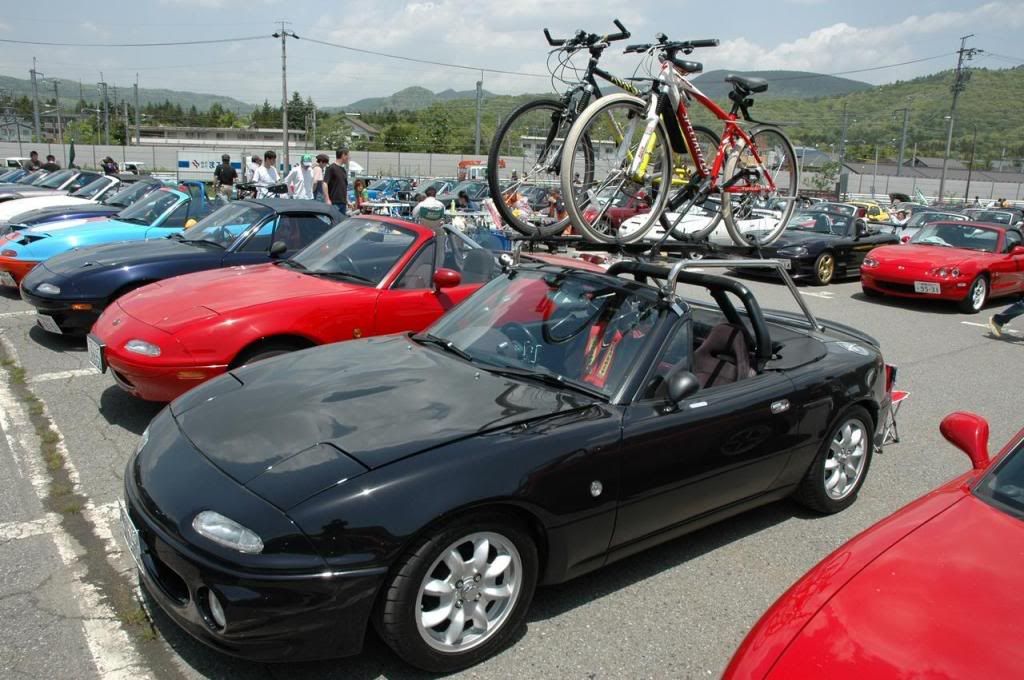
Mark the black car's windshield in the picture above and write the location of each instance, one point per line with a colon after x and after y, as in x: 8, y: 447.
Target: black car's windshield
x: 818, y: 222
x: 93, y: 188
x: 55, y: 179
x: 357, y: 249
x: 472, y: 189
x: 957, y: 236
x: 578, y: 328
x: 1003, y: 487
x: 130, y: 194
x: 922, y: 218
x: 994, y: 216
x: 34, y: 178
x: 150, y: 208
x: 226, y: 224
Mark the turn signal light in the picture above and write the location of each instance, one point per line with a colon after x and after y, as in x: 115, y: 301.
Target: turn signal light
x: 81, y: 307
x: 7, y: 252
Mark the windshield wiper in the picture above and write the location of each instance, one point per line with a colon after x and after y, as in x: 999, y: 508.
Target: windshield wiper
x: 203, y: 240
x: 343, y: 275
x: 551, y: 379
x: 292, y: 264
x: 133, y: 220
x: 429, y: 339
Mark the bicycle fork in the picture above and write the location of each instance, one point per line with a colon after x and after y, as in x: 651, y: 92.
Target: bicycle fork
x: 638, y: 164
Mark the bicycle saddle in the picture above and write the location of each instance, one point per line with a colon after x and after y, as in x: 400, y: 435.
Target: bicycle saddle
x: 747, y: 85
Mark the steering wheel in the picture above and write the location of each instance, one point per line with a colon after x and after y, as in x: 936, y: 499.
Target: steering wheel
x: 521, y: 343
x: 352, y: 268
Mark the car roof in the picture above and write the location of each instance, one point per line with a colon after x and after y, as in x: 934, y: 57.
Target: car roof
x: 295, y: 205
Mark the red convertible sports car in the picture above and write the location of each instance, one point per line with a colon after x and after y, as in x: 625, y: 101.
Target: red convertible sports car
x: 367, y: 276
x: 932, y: 591
x: 966, y: 262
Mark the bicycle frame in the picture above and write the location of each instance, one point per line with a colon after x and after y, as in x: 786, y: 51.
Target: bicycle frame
x: 668, y: 105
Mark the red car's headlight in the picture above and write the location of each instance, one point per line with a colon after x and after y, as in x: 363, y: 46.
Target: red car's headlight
x: 946, y: 272
x: 870, y: 262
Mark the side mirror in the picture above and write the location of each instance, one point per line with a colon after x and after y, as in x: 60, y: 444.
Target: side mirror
x: 862, y: 229
x: 682, y: 384
x: 969, y: 433
x: 446, y: 278
x: 278, y: 248
x: 1017, y: 250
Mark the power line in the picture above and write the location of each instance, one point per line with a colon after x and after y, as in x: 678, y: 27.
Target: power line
x: 861, y: 70
x: 48, y: 43
x: 425, y: 61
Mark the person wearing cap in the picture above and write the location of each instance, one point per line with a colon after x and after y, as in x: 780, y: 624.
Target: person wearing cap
x: 224, y: 176
x: 300, y: 179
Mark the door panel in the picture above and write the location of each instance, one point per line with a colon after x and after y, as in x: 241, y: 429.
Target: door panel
x: 723, y: 445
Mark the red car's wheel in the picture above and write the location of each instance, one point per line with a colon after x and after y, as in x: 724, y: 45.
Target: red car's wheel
x: 977, y: 296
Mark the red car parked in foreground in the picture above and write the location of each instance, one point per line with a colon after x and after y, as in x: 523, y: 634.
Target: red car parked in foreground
x: 965, y: 262
x: 623, y: 207
x: 933, y: 591
x: 366, y: 276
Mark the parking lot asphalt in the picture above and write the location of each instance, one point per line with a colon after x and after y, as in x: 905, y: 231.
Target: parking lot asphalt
x: 69, y: 599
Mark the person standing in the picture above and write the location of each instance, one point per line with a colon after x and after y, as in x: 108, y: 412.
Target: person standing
x: 224, y: 176
x: 267, y: 175
x: 318, y: 176
x: 110, y: 166
x: 300, y: 179
x: 51, y: 164
x: 997, y: 321
x: 33, y: 164
x: 336, y: 178
x: 255, y: 163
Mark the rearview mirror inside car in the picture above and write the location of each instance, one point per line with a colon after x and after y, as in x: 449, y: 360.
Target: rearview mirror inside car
x: 682, y: 384
x: 278, y: 248
x: 969, y: 433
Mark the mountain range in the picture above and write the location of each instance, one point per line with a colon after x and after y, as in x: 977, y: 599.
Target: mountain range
x: 69, y: 94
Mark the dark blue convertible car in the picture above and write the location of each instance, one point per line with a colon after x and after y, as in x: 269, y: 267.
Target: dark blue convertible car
x: 70, y: 290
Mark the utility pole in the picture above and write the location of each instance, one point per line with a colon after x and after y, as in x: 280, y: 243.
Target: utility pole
x: 127, y: 128
x: 56, y: 105
x: 960, y: 79
x: 479, y: 101
x: 842, y: 153
x: 284, y: 34
x: 138, y: 129
x: 970, y: 166
x: 106, y: 110
x: 314, y: 128
x: 35, y: 101
x: 903, y: 139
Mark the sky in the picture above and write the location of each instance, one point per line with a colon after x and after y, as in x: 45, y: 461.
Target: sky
x: 825, y: 36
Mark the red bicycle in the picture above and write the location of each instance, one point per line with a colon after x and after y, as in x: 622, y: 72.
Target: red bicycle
x: 651, y: 147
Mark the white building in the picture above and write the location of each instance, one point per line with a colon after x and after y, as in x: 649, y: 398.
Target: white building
x: 180, y: 135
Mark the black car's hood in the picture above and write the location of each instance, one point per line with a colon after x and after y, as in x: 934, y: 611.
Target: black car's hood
x: 126, y: 254
x: 377, y: 400
x: 77, y: 209
x: 793, y: 237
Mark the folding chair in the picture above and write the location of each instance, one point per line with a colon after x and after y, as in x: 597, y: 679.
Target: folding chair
x: 891, y: 433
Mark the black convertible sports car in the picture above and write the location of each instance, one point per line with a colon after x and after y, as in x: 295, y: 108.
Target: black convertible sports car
x: 555, y: 421
x: 822, y: 245
x: 73, y: 288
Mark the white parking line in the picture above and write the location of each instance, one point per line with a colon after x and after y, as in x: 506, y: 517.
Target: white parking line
x: 26, y: 312
x: 12, y: 531
x: 112, y: 651
x: 61, y: 375
x: 825, y: 295
x: 985, y: 326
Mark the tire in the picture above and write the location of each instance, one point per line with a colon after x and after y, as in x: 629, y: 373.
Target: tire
x: 814, y: 490
x: 709, y: 142
x: 632, y: 111
x: 544, y: 170
x: 824, y: 268
x: 265, y: 351
x: 977, y: 296
x: 405, y: 609
x: 777, y: 153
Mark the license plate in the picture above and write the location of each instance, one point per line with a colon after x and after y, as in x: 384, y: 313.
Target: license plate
x: 927, y: 287
x: 95, y: 350
x: 48, y: 324
x: 7, y: 280
x: 130, y: 535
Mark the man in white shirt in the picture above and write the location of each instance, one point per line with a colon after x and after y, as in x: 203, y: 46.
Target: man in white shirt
x: 254, y: 165
x: 300, y: 179
x: 266, y: 174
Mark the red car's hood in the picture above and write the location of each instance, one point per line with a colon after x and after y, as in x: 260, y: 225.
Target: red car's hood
x: 921, y: 257
x: 170, y: 304
x: 939, y: 603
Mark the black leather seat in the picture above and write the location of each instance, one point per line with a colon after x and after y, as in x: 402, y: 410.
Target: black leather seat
x: 747, y: 85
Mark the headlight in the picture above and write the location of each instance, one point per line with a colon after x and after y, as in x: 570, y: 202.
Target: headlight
x: 48, y: 289
x: 946, y: 272
x: 142, y: 347
x: 870, y: 262
x: 227, y: 532
x: 793, y: 251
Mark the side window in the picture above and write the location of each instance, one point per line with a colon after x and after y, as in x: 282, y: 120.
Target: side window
x: 81, y: 181
x: 298, y: 231
x: 1013, y: 238
x: 178, y: 217
x: 677, y: 352
x: 261, y: 240
x: 419, y: 271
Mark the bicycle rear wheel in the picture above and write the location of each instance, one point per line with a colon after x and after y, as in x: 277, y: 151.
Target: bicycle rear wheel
x: 615, y: 124
x: 755, y: 212
x: 536, y: 132
x: 700, y: 222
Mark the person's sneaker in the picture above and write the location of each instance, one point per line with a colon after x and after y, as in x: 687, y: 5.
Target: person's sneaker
x: 995, y: 327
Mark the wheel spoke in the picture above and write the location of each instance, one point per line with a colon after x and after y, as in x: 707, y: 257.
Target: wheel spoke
x: 478, y: 616
x: 481, y: 551
x: 453, y: 560
x: 856, y: 436
x: 434, y: 617
x: 438, y: 588
x: 832, y: 479
x: 831, y: 464
x: 502, y: 592
x: 455, y: 627
x: 498, y: 567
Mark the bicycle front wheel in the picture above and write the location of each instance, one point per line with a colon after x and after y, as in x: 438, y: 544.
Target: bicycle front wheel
x: 534, y: 133
x: 614, y: 126
x: 758, y: 205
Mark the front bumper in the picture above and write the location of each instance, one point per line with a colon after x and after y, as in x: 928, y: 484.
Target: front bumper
x: 16, y: 267
x: 70, y: 320
x: 155, y: 383
x: 888, y: 284
x: 268, y: 618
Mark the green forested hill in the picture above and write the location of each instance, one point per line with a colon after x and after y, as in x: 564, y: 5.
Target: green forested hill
x: 781, y: 84
x: 69, y: 94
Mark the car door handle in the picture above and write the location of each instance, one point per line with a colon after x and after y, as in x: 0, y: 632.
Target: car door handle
x: 780, y: 406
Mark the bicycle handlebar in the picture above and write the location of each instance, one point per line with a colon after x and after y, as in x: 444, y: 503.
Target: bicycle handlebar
x: 665, y: 44
x: 584, y: 38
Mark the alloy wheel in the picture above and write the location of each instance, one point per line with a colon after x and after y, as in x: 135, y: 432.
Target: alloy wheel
x: 468, y: 592
x: 826, y: 267
x: 846, y: 456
